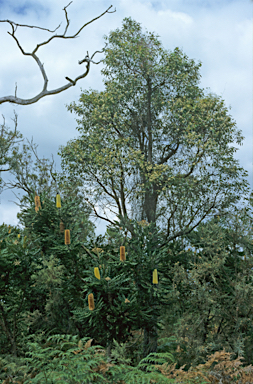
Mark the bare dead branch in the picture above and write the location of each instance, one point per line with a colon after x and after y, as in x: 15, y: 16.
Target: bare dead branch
x: 16, y: 100
x: 29, y: 26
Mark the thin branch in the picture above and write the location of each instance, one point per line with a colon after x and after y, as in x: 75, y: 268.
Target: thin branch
x: 97, y: 215
x: 171, y: 153
x: 195, y: 162
x: 5, y: 170
x: 87, y: 250
x: 66, y: 16
x: 72, y: 36
x: 102, y: 186
x: 29, y: 26
x: 115, y: 196
x: 185, y: 232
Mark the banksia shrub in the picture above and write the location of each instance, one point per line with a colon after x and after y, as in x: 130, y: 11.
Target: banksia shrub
x: 91, y: 302
x: 58, y: 201
x: 37, y: 203
x: 67, y: 236
x: 122, y: 254
x: 155, y: 277
x: 96, y: 273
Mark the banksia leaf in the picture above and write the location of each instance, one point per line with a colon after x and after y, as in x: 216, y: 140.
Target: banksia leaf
x: 155, y: 277
x: 122, y: 254
x: 67, y: 236
x: 37, y: 203
x: 91, y: 302
x: 24, y: 242
x: 62, y: 227
x: 96, y: 273
x: 58, y: 201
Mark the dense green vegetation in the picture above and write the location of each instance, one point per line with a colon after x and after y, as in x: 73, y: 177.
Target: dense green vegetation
x: 157, y: 152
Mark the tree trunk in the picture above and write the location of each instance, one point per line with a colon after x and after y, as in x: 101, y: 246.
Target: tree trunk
x: 150, y: 341
x: 150, y: 204
x: 7, y: 331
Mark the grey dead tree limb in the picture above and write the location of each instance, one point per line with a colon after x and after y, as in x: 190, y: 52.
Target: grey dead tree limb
x: 71, y: 82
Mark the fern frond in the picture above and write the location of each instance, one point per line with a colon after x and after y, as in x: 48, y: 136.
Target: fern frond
x: 149, y: 362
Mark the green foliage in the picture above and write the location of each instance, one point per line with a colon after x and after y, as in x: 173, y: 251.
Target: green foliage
x: 66, y: 359
x: 138, y: 303
x: 44, y: 284
x: 9, y: 140
x: 63, y: 265
x: 213, y: 297
x: 13, y: 368
x: 119, y: 353
x: 63, y: 361
x: 155, y: 359
x: 17, y: 263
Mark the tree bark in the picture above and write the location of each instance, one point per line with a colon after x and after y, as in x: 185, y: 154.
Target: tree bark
x: 150, y: 204
x: 149, y: 341
x: 7, y: 331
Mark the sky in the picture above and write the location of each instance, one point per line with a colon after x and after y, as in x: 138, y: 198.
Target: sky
x: 218, y: 33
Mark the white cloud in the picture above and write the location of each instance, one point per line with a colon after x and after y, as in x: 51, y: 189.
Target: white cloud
x: 180, y: 17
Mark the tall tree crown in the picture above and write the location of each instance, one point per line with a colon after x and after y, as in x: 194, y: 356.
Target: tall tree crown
x: 154, y: 145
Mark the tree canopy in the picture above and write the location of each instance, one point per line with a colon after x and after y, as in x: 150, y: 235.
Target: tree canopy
x: 154, y: 145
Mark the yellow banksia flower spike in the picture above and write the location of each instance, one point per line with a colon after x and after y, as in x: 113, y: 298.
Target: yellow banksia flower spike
x: 155, y: 277
x: 91, y: 302
x: 9, y: 229
x: 96, y: 273
x: 19, y: 236
x: 62, y: 227
x: 127, y: 301
x: 122, y: 254
x: 37, y: 203
x: 58, y: 201
x: 67, y: 236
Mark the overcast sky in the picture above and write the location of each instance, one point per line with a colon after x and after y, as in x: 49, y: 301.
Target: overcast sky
x: 216, y: 32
